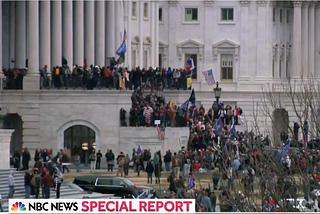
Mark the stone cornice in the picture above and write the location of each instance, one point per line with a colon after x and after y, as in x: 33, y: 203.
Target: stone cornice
x: 208, y: 3
x: 262, y: 3
x: 244, y: 3
x: 173, y: 3
x: 297, y: 3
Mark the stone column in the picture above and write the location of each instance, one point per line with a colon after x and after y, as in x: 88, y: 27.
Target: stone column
x: 45, y: 51
x: 118, y: 30
x: 244, y: 41
x: 1, y: 43
x: 127, y: 19
x: 5, y: 139
x: 262, y: 55
x: 207, y: 34
x: 173, y: 60
x: 78, y: 36
x: 31, y: 81
x: 110, y: 28
x: 56, y: 27
x: 12, y: 32
x: 312, y: 43
x: 317, y: 42
x: 67, y: 32
x: 89, y: 32
x: 157, y: 35
x: 100, y: 33
x: 305, y: 40
x: 296, y: 44
x: 20, y: 35
x: 153, y: 23
x: 141, y: 16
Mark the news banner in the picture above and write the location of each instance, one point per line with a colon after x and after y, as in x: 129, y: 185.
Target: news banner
x: 101, y: 206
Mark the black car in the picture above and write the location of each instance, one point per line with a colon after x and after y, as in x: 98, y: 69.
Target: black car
x: 118, y: 186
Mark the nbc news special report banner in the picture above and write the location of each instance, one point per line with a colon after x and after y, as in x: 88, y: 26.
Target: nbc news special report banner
x: 101, y: 206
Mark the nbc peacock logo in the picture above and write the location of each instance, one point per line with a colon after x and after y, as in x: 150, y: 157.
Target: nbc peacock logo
x: 18, y: 206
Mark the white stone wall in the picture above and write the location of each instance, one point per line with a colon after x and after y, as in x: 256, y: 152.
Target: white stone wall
x: 46, y: 115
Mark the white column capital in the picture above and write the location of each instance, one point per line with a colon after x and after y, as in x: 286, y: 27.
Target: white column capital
x: 312, y: 5
x: 305, y: 4
x: 297, y: 3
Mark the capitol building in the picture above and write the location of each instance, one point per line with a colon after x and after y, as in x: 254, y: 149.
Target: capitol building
x: 249, y: 45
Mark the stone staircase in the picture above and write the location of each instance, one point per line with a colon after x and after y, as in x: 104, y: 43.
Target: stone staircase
x: 69, y: 191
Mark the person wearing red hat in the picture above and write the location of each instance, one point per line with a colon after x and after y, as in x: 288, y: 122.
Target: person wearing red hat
x: 98, y: 161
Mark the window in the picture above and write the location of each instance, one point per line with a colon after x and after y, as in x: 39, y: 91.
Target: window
x: 226, y: 14
x: 287, y: 69
x: 280, y: 69
x: 273, y: 68
x: 134, y: 9
x: 160, y: 15
x: 118, y: 182
x: 191, y: 14
x: 145, y: 59
x: 104, y: 181
x: 145, y: 10
x: 226, y: 66
x: 280, y: 15
x: 288, y: 16
x: 274, y: 15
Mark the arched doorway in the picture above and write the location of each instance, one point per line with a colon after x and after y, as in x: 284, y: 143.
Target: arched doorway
x: 280, y: 124
x: 81, y: 140
x: 14, y: 121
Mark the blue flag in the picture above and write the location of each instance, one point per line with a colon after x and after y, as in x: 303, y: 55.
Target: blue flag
x: 122, y: 49
x: 284, y: 152
x: 184, y: 107
x: 233, y: 131
x: 139, y: 150
x: 218, y: 126
x: 191, y: 182
x: 192, y: 98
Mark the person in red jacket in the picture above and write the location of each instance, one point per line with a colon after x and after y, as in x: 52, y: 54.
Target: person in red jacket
x: 196, y: 166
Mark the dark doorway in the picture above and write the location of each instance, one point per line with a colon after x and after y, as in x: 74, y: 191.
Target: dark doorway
x: 193, y: 73
x: 14, y: 121
x: 280, y: 124
x: 76, y: 136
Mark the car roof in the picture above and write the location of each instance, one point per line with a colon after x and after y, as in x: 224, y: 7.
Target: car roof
x: 94, y: 177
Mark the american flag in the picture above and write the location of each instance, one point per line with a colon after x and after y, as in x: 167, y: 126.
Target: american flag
x: 161, y: 132
x: 208, y: 75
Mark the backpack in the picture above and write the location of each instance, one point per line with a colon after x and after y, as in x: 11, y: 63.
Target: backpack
x: 57, y: 71
x: 121, y: 162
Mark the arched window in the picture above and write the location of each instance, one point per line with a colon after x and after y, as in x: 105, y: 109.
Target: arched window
x: 77, y: 136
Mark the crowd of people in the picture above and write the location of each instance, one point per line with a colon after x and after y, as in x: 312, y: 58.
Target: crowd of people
x: 96, y: 76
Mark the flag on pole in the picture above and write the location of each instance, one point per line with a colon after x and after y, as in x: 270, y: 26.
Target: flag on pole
x: 192, y: 98
x: 122, y: 49
x: 161, y: 132
x: 190, y: 63
x: 139, y: 150
x: 208, y: 75
x: 218, y: 126
x: 284, y: 152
